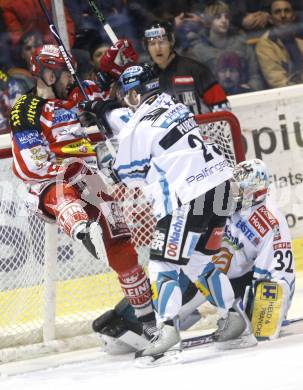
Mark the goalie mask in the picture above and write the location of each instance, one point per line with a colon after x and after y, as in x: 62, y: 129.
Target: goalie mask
x: 250, y: 182
x: 136, y: 84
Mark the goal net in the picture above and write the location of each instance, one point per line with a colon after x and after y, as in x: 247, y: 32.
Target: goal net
x: 51, y: 288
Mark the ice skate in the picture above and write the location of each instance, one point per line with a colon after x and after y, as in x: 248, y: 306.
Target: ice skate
x: 235, y: 330
x: 163, y: 348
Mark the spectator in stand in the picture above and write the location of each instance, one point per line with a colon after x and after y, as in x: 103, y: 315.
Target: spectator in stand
x: 221, y: 37
x: 5, y: 50
x: 22, y: 55
x: 280, y: 50
x: 21, y: 16
x: 231, y: 74
x: 254, y: 17
x: 9, y: 93
x: 96, y: 51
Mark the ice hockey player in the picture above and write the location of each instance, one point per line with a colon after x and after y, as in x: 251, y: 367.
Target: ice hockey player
x: 186, y: 182
x: 257, y: 250
x: 256, y: 254
x: 188, y: 80
x: 53, y: 155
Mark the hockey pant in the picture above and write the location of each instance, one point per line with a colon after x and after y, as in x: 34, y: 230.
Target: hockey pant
x: 176, y: 238
x: 71, y: 208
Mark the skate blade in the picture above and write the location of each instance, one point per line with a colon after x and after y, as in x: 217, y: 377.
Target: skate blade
x: 163, y: 359
x: 246, y: 341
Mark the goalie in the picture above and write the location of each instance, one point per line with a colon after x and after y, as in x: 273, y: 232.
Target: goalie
x: 256, y: 254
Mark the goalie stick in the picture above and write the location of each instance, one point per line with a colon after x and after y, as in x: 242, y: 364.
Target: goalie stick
x: 198, y: 341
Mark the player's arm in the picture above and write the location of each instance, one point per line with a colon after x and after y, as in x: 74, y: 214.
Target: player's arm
x: 210, y: 91
x: 30, y: 151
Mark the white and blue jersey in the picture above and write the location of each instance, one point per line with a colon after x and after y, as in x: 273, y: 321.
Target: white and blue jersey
x: 161, y: 151
x: 258, y: 240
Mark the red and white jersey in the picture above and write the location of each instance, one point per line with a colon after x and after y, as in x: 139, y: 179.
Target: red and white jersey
x: 46, y: 132
x: 258, y: 240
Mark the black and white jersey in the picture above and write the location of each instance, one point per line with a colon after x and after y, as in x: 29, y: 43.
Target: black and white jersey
x: 193, y: 84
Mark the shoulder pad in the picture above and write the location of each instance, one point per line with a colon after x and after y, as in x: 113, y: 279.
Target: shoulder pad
x: 25, y: 114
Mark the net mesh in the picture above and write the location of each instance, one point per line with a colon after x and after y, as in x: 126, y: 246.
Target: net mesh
x: 84, y: 287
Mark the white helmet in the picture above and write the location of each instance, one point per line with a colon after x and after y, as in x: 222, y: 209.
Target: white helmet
x: 250, y: 182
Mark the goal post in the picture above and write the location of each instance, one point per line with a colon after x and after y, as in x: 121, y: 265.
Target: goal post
x: 51, y: 288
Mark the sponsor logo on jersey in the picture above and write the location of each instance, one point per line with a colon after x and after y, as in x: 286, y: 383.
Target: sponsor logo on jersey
x: 158, y: 241
x: 27, y: 139
x: 234, y: 241
x: 16, y: 111
x: 175, y: 234
x: 183, y: 80
x: 38, y: 156
x: 258, y: 224
x: 282, y: 245
x: 267, y: 215
x: 80, y: 147
x: 271, y: 221
x: 176, y: 114
x: 207, y: 171
x: 248, y: 233
x: 32, y: 110
x: 64, y: 116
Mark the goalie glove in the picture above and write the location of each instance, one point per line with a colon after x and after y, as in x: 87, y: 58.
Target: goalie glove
x: 118, y: 57
x: 105, y: 158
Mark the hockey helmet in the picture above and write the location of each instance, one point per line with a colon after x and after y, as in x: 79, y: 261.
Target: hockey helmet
x: 250, y: 182
x: 141, y: 78
x: 47, y: 56
x: 159, y: 30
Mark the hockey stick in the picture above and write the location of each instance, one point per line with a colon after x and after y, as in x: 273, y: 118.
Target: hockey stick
x: 63, y: 50
x: 198, y: 341
x: 72, y: 70
x: 99, y: 15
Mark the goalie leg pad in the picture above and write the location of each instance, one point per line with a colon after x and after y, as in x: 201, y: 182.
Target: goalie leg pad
x: 269, y: 308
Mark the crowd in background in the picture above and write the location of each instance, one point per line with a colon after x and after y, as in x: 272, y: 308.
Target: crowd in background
x: 250, y: 45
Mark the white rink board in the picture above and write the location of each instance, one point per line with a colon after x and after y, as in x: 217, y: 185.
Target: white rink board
x: 272, y: 125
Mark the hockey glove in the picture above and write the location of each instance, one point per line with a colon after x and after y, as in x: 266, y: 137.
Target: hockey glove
x: 118, y: 57
x: 94, y: 110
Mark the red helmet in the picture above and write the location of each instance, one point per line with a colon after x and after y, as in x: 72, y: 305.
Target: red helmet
x: 47, y: 56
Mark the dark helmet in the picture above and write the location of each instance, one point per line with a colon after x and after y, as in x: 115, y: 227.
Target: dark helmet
x: 159, y: 29
x: 142, y: 78
x: 47, y: 56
